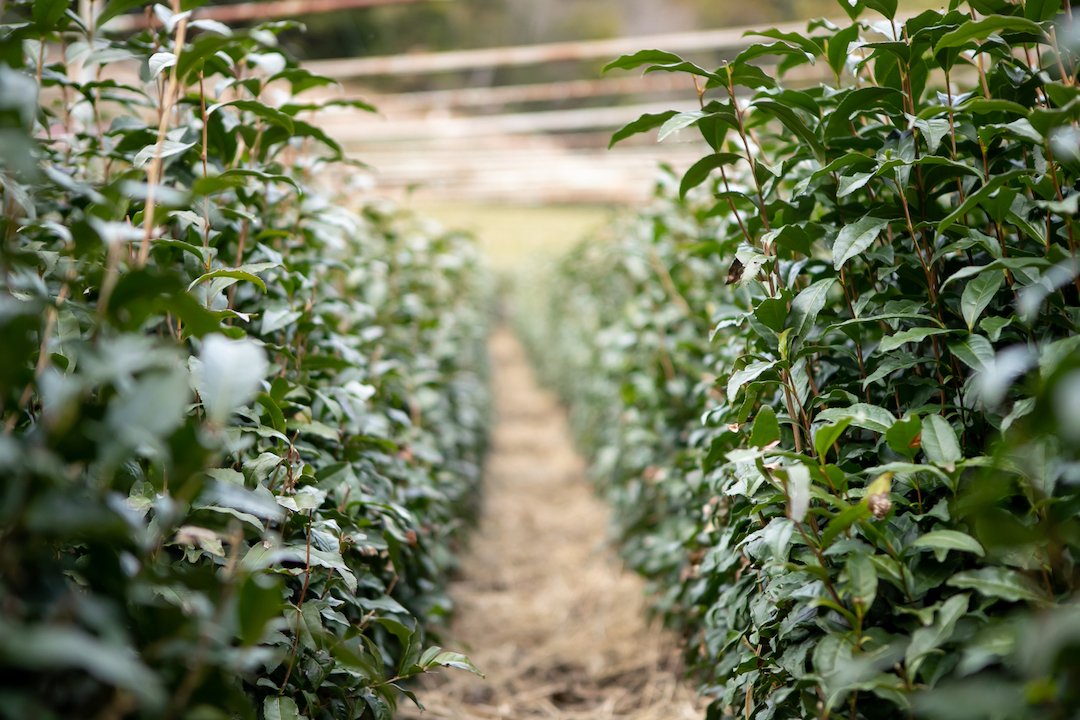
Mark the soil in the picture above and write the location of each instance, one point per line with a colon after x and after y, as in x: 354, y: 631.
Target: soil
x: 542, y: 606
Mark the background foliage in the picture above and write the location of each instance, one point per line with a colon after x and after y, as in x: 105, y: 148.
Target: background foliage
x: 242, y: 424
x: 835, y: 396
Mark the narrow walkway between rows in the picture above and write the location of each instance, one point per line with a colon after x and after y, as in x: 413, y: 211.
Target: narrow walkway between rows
x: 542, y: 608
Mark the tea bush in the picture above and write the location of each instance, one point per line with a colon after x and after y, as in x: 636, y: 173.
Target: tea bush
x: 836, y: 400
x: 242, y: 424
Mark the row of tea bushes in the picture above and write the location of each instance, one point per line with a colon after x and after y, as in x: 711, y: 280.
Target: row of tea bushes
x: 835, y: 400
x: 242, y: 423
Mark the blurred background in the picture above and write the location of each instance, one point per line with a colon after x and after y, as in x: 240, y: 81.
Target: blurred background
x: 494, y: 115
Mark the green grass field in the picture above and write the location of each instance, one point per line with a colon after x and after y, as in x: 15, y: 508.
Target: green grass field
x: 511, y: 233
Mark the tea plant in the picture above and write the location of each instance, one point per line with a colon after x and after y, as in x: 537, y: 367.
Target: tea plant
x: 242, y: 424
x: 877, y: 515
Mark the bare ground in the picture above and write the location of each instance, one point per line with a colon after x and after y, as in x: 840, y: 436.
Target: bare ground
x: 542, y: 607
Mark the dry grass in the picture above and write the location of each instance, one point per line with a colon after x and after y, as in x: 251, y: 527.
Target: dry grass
x: 542, y: 607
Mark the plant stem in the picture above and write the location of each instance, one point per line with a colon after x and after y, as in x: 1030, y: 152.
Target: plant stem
x: 153, y: 174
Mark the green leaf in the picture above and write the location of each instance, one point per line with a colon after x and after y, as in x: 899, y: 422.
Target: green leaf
x: 1041, y: 10
x: 862, y: 580
x: 808, y: 45
x: 942, y: 541
x: 978, y: 294
x: 300, y: 79
x: 429, y: 656
x: 379, y: 709
x: 885, y: 7
x: 259, y: 109
x: 849, y: 516
x: 742, y: 74
x: 168, y: 148
x: 933, y: 130
x: 794, y: 123
x: 982, y: 106
x: 680, y: 121
x: 999, y: 582
x: 777, y: 48
x: 863, y: 101
x: 983, y: 28
x: 643, y: 124
x: 837, y: 49
x: 863, y: 415
x: 456, y: 660
x: 256, y: 606
x: 292, y: 109
x: 993, y: 326
x: 826, y: 435
x: 234, y: 274
x: 850, y: 183
x: 49, y: 647
x: 904, y: 435
x: 747, y: 374
x: 230, y: 175
x: 195, y: 55
x: 976, y: 198
x: 700, y: 170
x: 48, y: 12
x: 215, y: 184
x: 914, y: 335
x: 939, y: 441
x: 855, y: 238
x: 807, y: 305
x: 975, y: 351
x: 277, y: 418
x: 766, y: 429
x: 116, y: 7
x: 1010, y: 263
x: 772, y: 312
x: 643, y: 57
x: 928, y: 639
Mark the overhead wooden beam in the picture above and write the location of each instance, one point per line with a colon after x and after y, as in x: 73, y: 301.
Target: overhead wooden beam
x: 245, y: 12
x: 419, y: 63
x: 535, y: 92
x: 727, y: 39
x: 347, y: 127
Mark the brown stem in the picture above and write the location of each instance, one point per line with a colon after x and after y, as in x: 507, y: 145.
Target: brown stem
x: 299, y: 608
x: 153, y: 175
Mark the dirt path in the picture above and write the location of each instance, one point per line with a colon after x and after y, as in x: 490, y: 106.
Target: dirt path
x: 542, y: 608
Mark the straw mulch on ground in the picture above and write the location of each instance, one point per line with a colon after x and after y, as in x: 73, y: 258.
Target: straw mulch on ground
x: 542, y: 608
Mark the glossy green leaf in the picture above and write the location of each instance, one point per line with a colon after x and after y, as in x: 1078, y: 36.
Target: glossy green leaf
x: 856, y: 238
x: 978, y: 294
x: 116, y: 7
x: 807, y: 305
x: 766, y: 430
x: 457, y: 660
x: 795, y: 124
x: 938, y: 440
x: 700, y: 170
x: 999, y: 582
x: 984, y: 27
x: 904, y: 435
x: 47, y: 13
x: 826, y: 435
x: 643, y: 124
x: 975, y: 351
x: 643, y: 57
x: 942, y: 541
x: 862, y: 580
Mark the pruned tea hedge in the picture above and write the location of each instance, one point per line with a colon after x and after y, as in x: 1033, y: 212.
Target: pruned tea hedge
x: 242, y: 424
x: 836, y: 397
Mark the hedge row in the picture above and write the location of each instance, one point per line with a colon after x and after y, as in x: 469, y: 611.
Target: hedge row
x: 835, y: 397
x: 242, y: 424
